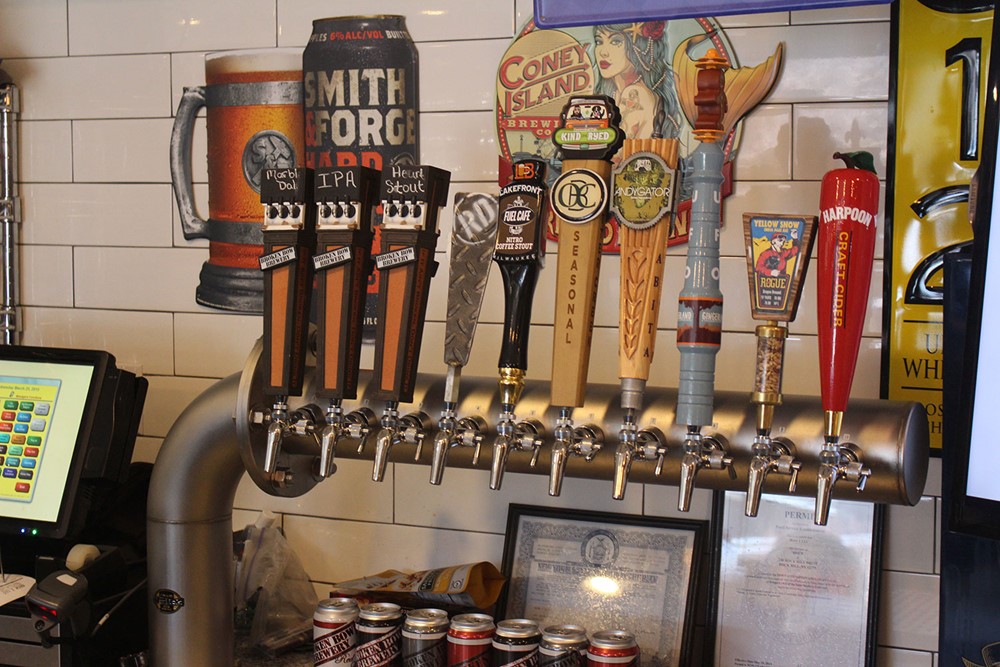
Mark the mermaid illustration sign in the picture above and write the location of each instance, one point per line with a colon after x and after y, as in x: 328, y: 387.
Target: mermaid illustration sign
x: 776, y: 246
x: 647, y: 68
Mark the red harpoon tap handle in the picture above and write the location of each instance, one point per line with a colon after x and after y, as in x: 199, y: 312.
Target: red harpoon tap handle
x: 846, y: 247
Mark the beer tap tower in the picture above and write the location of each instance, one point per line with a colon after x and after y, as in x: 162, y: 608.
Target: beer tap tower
x: 412, y: 197
x: 644, y: 186
x: 520, y: 254
x: 472, y: 235
x: 848, y: 208
x: 289, y: 232
x: 588, y: 138
x: 699, y: 316
x: 345, y: 202
x: 777, y: 251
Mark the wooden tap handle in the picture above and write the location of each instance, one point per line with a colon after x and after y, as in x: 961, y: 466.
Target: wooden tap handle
x: 588, y: 139
x: 644, y: 183
x: 289, y: 239
x: 412, y: 197
x: 345, y: 200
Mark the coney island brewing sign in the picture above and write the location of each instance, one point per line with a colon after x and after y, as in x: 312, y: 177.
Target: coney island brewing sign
x: 641, y: 65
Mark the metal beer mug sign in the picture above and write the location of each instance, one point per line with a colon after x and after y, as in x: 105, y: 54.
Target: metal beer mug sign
x: 253, y: 102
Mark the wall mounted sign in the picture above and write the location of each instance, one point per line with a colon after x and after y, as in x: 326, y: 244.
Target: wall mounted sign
x: 938, y: 92
x: 647, y: 68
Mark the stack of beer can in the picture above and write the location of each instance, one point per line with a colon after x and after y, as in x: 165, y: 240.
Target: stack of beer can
x: 381, y: 635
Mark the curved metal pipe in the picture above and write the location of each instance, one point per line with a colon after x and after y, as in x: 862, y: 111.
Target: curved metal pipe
x: 189, y: 523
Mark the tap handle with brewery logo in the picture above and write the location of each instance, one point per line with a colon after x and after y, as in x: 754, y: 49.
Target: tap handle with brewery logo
x: 345, y: 199
x: 289, y: 232
x: 412, y: 197
x: 643, y: 195
x: 520, y: 255
x: 777, y: 252
x: 588, y: 137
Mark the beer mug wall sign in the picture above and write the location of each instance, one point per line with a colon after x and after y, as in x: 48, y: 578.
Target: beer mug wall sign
x: 253, y: 102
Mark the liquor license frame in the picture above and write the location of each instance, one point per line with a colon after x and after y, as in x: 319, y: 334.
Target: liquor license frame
x: 791, y: 592
x: 606, y: 571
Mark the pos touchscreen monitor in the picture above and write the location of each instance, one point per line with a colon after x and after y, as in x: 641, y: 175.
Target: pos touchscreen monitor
x: 68, y: 421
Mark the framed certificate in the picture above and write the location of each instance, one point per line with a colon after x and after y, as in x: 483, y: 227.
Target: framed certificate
x: 605, y: 572
x: 793, y: 593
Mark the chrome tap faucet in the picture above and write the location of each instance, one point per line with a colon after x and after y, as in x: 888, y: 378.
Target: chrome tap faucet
x: 635, y: 445
x: 585, y: 441
x: 700, y: 452
x: 837, y: 462
x: 455, y: 432
x: 408, y: 429
x: 513, y: 436
x: 770, y: 455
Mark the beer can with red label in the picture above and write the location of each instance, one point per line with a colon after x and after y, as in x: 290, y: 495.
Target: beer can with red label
x: 425, y: 641
x: 613, y: 648
x: 515, y: 643
x: 380, y: 629
x: 469, y: 640
x: 563, y: 646
x: 334, y: 632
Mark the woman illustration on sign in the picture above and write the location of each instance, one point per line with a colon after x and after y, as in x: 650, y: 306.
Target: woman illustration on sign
x: 632, y: 63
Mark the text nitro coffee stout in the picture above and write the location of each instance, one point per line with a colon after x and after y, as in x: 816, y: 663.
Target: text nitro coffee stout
x: 563, y: 646
x: 359, y: 76
x: 515, y: 643
x: 470, y: 639
x: 613, y: 648
x: 425, y: 641
x: 379, y: 629
x: 334, y: 632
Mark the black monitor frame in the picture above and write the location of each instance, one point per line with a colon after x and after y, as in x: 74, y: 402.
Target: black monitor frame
x: 105, y: 436
x: 970, y: 514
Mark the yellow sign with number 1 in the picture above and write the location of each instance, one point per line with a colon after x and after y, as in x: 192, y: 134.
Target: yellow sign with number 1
x: 942, y: 55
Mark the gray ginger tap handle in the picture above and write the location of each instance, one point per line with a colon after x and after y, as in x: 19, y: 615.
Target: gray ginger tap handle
x: 472, y: 239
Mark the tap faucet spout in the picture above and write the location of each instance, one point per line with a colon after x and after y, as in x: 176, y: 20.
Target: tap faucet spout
x: 624, y: 454
x: 275, y: 434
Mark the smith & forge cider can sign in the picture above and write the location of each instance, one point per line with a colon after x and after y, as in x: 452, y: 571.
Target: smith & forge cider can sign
x: 359, y: 76
x: 359, y: 84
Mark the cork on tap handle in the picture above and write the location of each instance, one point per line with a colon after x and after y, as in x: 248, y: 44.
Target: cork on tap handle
x: 289, y: 233
x: 412, y: 197
x: 345, y: 199
x: 588, y: 138
x: 645, y: 182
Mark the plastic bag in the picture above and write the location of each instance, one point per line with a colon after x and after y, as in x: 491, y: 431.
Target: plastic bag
x: 272, y: 586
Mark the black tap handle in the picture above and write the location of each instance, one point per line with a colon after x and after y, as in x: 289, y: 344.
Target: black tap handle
x: 289, y: 233
x: 520, y: 253
x: 345, y: 201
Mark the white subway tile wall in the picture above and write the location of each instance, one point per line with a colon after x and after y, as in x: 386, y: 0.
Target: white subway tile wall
x: 106, y: 265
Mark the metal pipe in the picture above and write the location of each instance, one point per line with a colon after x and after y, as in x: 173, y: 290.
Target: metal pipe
x: 10, y: 211
x: 189, y: 522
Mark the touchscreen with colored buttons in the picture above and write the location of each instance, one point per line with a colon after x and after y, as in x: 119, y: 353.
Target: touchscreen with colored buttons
x: 41, y: 406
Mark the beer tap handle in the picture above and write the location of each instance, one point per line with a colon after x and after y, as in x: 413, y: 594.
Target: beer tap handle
x: 648, y: 166
x: 412, y: 197
x: 849, y: 200
x: 519, y: 254
x: 699, y: 313
x: 588, y: 139
x: 345, y: 201
x: 472, y: 239
x: 289, y: 233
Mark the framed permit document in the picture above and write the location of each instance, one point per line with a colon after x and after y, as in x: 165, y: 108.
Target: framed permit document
x: 605, y: 572
x: 794, y: 593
